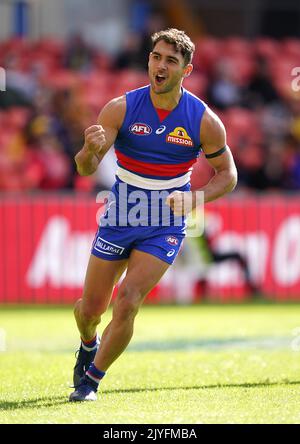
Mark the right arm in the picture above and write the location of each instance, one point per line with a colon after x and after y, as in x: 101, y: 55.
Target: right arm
x: 99, y: 138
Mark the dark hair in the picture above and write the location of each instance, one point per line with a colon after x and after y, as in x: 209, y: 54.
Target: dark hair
x: 179, y: 39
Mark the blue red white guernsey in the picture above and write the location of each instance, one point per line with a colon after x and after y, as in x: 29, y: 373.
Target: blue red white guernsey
x: 154, y: 158
x: 154, y: 154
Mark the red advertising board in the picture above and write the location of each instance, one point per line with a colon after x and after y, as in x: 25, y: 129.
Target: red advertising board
x: 266, y: 230
x: 46, y: 240
x: 45, y: 247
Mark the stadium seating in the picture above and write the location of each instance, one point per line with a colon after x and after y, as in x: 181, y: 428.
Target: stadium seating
x: 98, y: 81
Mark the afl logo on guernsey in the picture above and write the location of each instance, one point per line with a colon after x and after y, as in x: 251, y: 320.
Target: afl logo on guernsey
x: 140, y: 129
x: 172, y: 240
x: 180, y: 137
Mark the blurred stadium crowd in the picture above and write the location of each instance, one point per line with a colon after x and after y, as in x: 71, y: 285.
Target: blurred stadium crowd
x: 55, y: 90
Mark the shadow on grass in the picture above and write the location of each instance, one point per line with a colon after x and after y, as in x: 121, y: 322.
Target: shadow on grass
x: 34, y: 403
x: 204, y: 387
x: 60, y: 400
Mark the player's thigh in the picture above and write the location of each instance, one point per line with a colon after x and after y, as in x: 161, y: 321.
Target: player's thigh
x: 143, y: 273
x: 101, y: 277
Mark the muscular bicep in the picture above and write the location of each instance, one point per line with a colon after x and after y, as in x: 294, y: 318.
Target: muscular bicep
x: 111, y: 118
x: 213, y: 142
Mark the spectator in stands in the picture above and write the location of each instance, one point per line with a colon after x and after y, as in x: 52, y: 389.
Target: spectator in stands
x: 137, y: 44
x: 294, y: 105
x: 275, y: 121
x: 20, y: 86
x: 224, y: 92
x: 68, y: 118
x: 274, y: 166
x: 45, y: 159
x: 79, y: 55
x: 291, y: 148
x: 130, y: 54
x: 260, y: 90
x: 250, y: 164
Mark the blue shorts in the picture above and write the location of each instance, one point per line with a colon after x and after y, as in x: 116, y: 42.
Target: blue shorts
x: 115, y: 243
x: 156, y: 233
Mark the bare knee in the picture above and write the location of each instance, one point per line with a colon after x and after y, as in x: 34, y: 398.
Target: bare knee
x: 88, y: 313
x: 127, y: 303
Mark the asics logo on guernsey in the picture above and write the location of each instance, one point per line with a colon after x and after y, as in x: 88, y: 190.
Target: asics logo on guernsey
x: 161, y: 129
x: 107, y: 247
x: 140, y: 129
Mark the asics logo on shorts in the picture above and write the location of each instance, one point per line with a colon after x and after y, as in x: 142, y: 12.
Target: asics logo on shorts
x: 106, y: 247
x: 171, y: 253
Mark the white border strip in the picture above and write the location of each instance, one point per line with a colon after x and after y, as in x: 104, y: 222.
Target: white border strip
x: 152, y: 184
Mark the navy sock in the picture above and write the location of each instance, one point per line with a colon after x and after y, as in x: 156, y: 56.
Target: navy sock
x: 90, y: 345
x: 94, y: 376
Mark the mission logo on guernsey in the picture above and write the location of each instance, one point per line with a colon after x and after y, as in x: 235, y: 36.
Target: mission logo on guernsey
x: 180, y: 137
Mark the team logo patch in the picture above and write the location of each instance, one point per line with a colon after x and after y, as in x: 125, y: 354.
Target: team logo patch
x: 107, y: 247
x: 180, y: 137
x: 172, y: 240
x: 140, y: 129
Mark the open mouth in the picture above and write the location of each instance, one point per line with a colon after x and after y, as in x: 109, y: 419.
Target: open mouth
x: 160, y: 79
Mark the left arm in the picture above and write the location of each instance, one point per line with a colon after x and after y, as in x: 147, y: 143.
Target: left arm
x: 213, y: 137
x: 218, y: 155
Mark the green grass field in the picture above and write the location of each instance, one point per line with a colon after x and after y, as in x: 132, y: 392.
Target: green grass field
x: 186, y: 364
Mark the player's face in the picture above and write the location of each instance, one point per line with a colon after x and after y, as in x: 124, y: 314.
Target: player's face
x: 166, y: 68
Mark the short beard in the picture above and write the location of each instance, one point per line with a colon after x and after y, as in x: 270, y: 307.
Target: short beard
x: 164, y: 91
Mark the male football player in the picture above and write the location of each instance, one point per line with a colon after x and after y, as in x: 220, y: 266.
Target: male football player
x: 158, y: 132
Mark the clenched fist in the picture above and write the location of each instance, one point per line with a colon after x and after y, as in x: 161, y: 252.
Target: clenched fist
x: 94, y: 139
x: 181, y: 202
